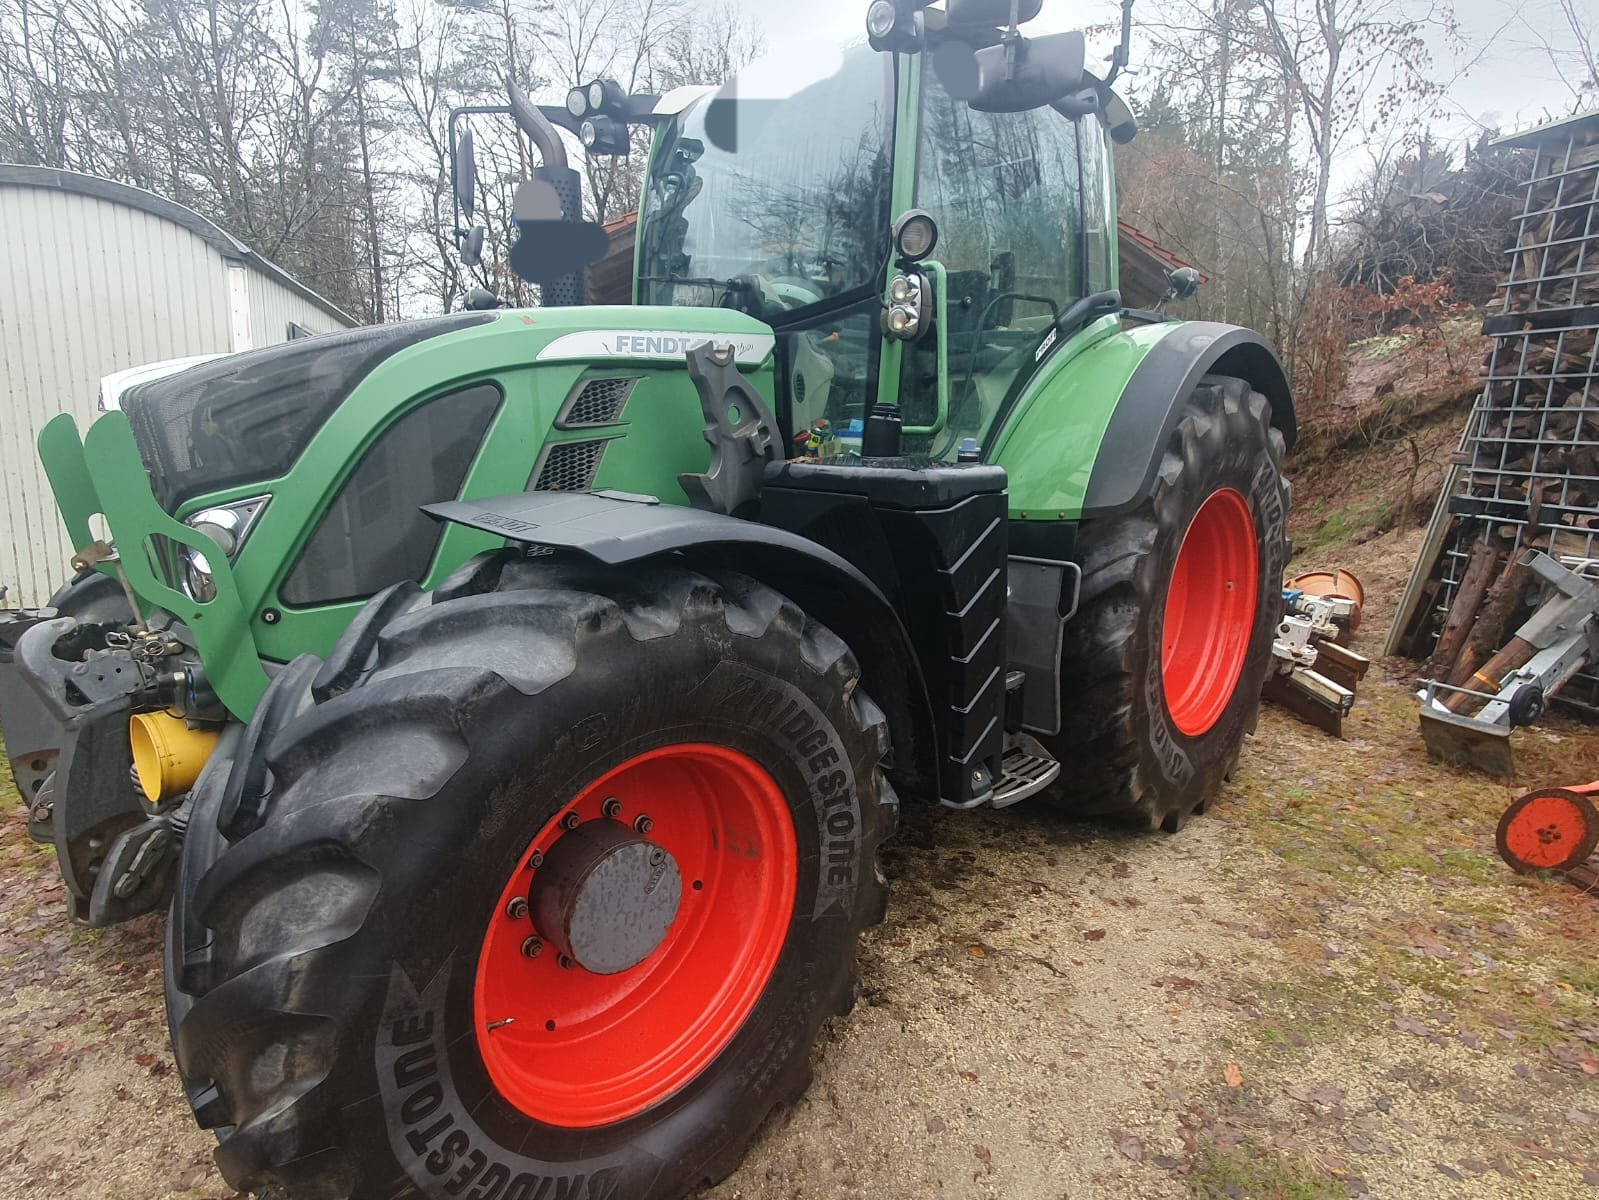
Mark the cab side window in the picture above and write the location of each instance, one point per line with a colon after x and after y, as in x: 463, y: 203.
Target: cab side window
x: 1009, y: 193
x: 374, y: 533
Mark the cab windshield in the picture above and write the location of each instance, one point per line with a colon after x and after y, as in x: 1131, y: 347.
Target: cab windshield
x: 754, y: 193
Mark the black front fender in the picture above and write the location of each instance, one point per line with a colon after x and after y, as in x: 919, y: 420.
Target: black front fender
x: 1151, y: 405
x: 617, y: 529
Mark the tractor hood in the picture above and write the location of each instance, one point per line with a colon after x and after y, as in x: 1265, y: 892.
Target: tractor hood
x: 248, y: 416
x: 563, y: 399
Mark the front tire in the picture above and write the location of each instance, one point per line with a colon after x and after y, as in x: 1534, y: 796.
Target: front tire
x: 1161, y: 668
x: 375, y: 1020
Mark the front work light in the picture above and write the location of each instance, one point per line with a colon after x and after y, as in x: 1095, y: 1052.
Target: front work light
x: 915, y: 236
x: 603, y: 136
x: 896, y: 26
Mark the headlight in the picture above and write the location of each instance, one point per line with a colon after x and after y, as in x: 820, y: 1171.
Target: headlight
x: 226, y: 525
x: 904, y: 319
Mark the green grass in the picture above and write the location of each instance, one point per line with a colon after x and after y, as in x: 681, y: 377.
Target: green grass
x: 1341, y: 525
x: 1583, y: 977
x: 1248, y: 1172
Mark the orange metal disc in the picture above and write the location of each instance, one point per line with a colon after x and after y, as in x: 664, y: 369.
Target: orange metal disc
x: 1548, y: 830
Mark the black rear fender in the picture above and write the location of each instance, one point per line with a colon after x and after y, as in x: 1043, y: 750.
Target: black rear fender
x: 1152, y: 404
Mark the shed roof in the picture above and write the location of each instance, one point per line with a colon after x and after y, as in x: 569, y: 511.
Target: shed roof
x: 1556, y: 130
x: 17, y: 175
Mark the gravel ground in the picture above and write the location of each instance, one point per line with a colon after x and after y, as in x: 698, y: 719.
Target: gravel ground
x: 1326, y: 987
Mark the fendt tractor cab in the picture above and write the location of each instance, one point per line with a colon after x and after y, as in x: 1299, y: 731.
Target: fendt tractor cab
x: 518, y: 700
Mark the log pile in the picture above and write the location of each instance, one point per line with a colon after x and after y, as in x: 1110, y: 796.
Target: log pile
x: 1553, y: 263
x: 1526, y: 474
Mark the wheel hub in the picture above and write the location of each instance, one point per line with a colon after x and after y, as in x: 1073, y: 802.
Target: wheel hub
x: 605, y: 896
x: 626, y: 950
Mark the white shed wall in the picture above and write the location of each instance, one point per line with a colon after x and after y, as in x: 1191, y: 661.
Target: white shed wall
x: 87, y: 287
x: 90, y: 286
x: 273, y: 306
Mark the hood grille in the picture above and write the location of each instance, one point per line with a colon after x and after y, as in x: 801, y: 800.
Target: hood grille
x: 568, y: 467
x: 597, y: 402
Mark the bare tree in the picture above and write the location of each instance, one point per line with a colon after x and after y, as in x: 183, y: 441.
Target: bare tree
x: 1572, y: 47
x: 1349, y: 65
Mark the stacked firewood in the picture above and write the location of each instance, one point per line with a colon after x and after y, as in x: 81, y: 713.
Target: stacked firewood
x: 1527, y: 472
x: 1553, y: 263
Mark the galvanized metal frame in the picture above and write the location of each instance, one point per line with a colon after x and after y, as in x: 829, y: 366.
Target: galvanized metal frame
x: 1517, y: 447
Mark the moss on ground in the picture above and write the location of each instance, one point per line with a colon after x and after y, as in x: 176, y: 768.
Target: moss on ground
x: 1250, y: 1172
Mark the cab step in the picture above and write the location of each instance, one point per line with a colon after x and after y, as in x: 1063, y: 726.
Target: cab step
x: 1026, y: 769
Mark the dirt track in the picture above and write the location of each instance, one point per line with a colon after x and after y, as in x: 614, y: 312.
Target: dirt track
x: 1329, y: 986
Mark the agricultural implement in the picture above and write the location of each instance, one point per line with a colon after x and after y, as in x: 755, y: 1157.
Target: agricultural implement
x: 516, y: 726
x: 1314, y: 672
x: 1470, y: 723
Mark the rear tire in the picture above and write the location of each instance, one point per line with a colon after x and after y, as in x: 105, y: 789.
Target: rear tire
x: 1156, y: 696
x: 338, y: 1037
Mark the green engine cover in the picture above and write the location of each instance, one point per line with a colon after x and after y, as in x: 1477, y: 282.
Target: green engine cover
x: 538, y: 359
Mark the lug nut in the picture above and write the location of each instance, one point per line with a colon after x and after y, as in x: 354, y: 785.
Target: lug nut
x: 564, y: 963
x: 571, y: 821
x: 517, y: 908
x: 643, y: 824
x: 532, y: 948
x: 536, y: 861
x: 611, y: 808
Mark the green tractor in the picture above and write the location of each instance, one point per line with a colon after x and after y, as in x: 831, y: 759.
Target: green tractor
x: 519, y: 699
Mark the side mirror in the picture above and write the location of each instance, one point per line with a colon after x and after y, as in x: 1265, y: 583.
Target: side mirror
x: 990, y: 13
x: 1021, y: 74
x: 466, y: 174
x: 1119, y: 117
x: 470, y: 244
x: 1182, y: 283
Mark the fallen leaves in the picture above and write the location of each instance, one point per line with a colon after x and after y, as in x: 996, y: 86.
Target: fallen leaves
x: 1233, y: 1075
x: 1325, y: 1096
x: 1128, y: 1145
x: 1093, y: 935
x: 1177, y: 983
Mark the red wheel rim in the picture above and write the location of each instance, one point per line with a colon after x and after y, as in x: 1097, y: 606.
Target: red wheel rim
x: 572, y: 1048
x: 1210, y: 612
x: 1548, y: 831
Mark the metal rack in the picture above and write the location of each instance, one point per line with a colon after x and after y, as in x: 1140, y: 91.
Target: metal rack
x: 1526, y: 474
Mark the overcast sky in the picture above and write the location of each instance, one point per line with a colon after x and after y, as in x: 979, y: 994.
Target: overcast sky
x: 1511, y: 85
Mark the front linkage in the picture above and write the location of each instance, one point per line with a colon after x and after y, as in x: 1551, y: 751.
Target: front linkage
x: 106, y: 688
